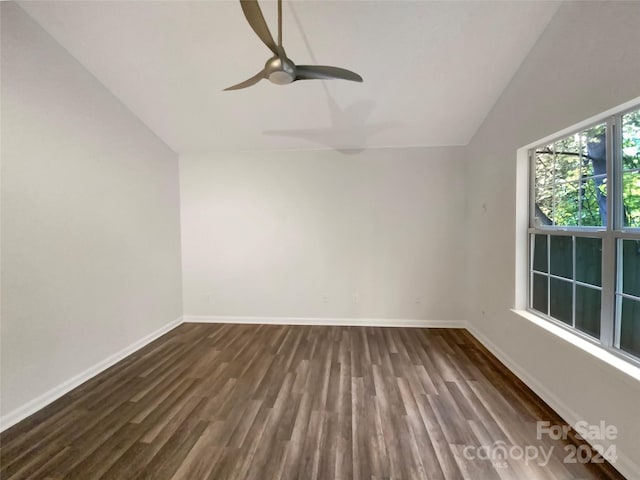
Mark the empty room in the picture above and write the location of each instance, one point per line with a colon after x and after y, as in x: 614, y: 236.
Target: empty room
x: 320, y: 240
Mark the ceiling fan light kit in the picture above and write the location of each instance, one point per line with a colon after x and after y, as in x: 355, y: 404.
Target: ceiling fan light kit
x: 280, y: 69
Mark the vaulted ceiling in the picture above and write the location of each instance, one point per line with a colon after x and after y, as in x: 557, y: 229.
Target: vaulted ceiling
x: 432, y: 70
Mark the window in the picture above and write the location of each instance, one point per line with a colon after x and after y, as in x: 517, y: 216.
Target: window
x: 584, y: 232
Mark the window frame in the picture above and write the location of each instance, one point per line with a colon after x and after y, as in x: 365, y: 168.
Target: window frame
x: 612, y: 234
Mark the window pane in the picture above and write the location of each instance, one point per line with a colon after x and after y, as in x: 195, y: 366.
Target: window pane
x: 543, y: 185
x: 631, y: 140
x: 588, y: 310
x: 593, y: 202
x: 539, y: 300
x: 594, y: 148
x: 562, y: 256
x: 589, y: 260
x: 630, y: 326
x: 566, y: 203
x: 594, y: 192
x: 631, y: 267
x: 540, y: 253
x: 570, y: 180
x: 631, y: 198
x: 561, y: 300
x: 567, y: 163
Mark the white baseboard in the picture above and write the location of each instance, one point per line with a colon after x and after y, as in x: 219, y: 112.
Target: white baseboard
x: 328, y: 321
x: 46, y: 398
x: 623, y: 464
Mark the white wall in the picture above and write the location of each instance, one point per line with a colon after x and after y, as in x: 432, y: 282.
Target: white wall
x: 377, y: 234
x: 90, y: 219
x: 586, y: 62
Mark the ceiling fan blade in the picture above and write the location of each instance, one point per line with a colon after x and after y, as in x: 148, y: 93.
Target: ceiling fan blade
x: 247, y: 83
x: 253, y: 14
x: 321, y: 72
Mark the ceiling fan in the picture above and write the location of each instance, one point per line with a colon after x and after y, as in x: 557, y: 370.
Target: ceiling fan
x: 280, y: 69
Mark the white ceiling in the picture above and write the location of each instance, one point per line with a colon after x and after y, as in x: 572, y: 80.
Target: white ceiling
x: 432, y: 70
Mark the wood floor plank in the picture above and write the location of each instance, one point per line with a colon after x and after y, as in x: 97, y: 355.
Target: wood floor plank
x: 238, y: 402
x: 293, y: 453
x: 202, y: 458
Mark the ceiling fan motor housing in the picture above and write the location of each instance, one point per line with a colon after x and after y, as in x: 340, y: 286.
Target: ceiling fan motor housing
x: 280, y: 70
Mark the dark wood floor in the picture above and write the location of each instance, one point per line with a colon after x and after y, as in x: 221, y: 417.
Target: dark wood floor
x: 266, y: 402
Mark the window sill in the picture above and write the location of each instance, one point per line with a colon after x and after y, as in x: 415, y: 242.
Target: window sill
x: 630, y: 371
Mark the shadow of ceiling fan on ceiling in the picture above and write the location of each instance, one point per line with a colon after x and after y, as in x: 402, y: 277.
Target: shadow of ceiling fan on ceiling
x: 348, y: 131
